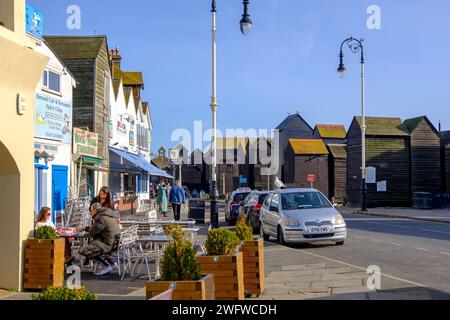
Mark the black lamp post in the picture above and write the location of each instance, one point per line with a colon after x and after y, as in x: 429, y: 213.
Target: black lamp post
x: 245, y: 24
x: 356, y: 46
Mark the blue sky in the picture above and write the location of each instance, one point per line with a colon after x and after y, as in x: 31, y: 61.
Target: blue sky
x: 287, y: 64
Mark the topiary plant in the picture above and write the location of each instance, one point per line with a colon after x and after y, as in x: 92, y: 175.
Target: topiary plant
x: 244, y: 231
x: 178, y: 262
x: 221, y: 242
x: 46, y: 233
x: 64, y: 294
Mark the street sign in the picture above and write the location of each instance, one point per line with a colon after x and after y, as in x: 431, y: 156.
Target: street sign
x: 311, y: 178
x: 371, y: 175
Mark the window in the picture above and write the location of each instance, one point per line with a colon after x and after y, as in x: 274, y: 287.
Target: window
x: 302, y: 200
x: 131, y: 138
x: 267, y: 201
x: 51, y: 81
x: 274, y: 202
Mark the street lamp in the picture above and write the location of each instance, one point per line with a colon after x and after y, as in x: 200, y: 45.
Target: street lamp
x: 246, y: 21
x: 245, y: 24
x: 356, y: 46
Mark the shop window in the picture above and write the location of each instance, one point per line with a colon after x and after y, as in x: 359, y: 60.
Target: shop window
x: 51, y: 81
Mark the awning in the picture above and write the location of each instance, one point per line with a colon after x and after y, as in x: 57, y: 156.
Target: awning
x: 140, y: 163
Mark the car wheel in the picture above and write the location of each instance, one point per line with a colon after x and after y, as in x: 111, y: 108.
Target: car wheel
x: 340, y: 243
x: 280, y: 236
x: 263, y: 235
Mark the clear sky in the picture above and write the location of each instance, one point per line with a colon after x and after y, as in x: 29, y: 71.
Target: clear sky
x: 287, y: 64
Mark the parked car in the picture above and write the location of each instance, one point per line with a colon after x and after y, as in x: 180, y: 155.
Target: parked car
x: 252, y: 206
x: 301, y: 215
x: 233, y: 204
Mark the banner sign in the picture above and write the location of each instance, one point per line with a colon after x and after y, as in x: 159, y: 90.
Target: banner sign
x: 85, y: 143
x: 53, y: 118
x: 34, y: 22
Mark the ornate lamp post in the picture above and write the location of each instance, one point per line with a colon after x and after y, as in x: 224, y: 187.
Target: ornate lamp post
x: 356, y: 46
x: 245, y: 25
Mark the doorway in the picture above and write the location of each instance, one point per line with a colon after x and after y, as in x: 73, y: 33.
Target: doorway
x: 59, y: 187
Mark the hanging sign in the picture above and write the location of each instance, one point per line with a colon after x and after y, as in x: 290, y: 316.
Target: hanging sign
x: 85, y: 143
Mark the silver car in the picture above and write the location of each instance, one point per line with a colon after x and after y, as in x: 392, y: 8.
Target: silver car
x: 301, y: 215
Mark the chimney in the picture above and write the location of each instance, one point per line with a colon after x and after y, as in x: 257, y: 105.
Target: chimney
x: 115, y: 57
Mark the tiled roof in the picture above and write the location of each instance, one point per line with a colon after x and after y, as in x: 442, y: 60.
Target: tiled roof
x: 288, y: 119
x: 128, y: 78
x: 144, y: 107
x: 116, y: 86
x: 411, y: 124
x: 380, y: 126
x: 338, y: 151
x: 161, y: 162
x: 232, y: 143
x: 127, y: 94
x: 308, y: 146
x: 83, y: 47
x: 331, y: 131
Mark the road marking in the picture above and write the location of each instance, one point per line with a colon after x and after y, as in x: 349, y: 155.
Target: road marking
x: 421, y: 249
x: 360, y: 268
x: 396, y: 244
x: 446, y: 253
x: 437, y: 231
x: 389, y: 225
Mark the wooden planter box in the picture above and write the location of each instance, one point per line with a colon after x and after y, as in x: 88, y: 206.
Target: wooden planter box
x: 253, y: 252
x: 202, y: 289
x: 44, y: 264
x: 228, y: 274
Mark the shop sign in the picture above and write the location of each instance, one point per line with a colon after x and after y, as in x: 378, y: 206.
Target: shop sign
x: 121, y: 127
x: 53, y: 118
x: 34, y: 21
x: 85, y: 143
x: 45, y: 150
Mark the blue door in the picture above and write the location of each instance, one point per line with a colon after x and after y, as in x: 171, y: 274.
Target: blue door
x: 59, y: 187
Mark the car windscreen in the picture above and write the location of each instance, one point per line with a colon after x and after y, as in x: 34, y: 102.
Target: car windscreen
x: 304, y: 200
x: 238, y: 197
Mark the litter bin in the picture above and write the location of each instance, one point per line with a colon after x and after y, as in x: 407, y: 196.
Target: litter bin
x: 440, y: 200
x: 197, y: 208
x: 422, y: 200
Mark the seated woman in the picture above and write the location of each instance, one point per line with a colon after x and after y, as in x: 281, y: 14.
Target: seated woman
x: 45, y: 218
x: 105, y: 233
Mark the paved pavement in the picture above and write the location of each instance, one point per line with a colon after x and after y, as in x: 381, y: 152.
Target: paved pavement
x: 441, y: 215
x: 413, y: 256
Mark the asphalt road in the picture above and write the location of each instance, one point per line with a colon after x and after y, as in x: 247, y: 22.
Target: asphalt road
x: 417, y: 251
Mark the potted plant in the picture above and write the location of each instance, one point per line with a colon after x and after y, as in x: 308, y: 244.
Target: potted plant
x: 64, y: 293
x: 44, y: 260
x: 225, y: 262
x: 180, y: 271
x: 253, y: 256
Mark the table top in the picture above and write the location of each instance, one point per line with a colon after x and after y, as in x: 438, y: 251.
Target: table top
x: 157, y: 222
x: 161, y: 238
x: 74, y: 235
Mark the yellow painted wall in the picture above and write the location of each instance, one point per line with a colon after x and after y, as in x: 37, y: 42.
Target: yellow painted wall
x: 20, y: 70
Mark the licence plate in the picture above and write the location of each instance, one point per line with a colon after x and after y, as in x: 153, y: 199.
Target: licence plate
x: 320, y: 230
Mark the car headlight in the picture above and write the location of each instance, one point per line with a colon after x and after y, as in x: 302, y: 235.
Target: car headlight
x: 339, y: 219
x: 291, y: 222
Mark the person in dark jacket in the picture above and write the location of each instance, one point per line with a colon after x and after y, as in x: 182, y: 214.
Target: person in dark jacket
x: 177, y: 198
x: 105, y: 233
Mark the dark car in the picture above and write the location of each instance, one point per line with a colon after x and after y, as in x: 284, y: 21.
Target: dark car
x: 233, y: 204
x: 252, y: 206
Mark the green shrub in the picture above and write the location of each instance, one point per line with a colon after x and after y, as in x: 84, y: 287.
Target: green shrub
x: 46, y: 233
x: 64, y: 294
x: 178, y: 262
x: 221, y: 242
x: 243, y: 231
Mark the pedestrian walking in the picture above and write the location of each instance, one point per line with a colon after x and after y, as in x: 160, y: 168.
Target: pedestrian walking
x: 163, y: 199
x: 177, y: 198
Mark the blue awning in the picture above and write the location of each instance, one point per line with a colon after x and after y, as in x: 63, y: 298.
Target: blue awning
x: 141, y: 163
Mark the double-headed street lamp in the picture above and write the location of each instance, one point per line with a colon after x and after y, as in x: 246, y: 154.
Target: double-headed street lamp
x: 356, y: 46
x: 245, y: 24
